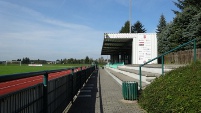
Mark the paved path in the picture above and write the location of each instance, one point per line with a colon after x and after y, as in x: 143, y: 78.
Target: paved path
x: 102, y: 94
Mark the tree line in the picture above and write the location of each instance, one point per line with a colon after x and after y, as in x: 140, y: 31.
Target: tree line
x: 185, y: 26
x: 87, y: 60
x: 135, y: 28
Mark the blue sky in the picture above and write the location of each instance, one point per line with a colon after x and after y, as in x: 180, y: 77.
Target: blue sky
x: 58, y: 29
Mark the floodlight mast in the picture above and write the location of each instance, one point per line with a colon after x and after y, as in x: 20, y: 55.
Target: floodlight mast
x: 130, y: 14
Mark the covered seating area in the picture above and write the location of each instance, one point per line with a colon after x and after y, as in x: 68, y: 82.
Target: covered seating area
x: 130, y: 48
x: 119, y: 48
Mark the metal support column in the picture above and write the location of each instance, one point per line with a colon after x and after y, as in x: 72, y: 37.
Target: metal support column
x: 45, y: 93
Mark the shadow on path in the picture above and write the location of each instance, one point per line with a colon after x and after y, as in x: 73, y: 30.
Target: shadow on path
x: 86, y: 101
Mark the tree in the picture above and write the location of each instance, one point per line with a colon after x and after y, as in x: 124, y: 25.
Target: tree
x: 26, y: 60
x: 193, y: 30
x: 138, y: 28
x: 187, y: 21
x: 161, y: 25
x: 91, y: 60
x: 70, y: 61
x: 184, y: 27
x: 182, y: 4
x: 160, y: 38
x: 87, y: 60
x: 166, y: 39
x: 125, y: 28
x: 65, y: 61
x: 101, y: 60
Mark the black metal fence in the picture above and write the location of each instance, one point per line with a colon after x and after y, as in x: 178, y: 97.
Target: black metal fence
x: 48, y: 97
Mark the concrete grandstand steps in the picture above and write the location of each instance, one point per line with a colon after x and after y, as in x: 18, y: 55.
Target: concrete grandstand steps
x: 125, y: 77
x: 149, y: 76
x: 144, y: 73
x: 150, y: 72
x: 166, y: 66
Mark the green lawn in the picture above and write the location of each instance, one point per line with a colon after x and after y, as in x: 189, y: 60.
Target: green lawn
x: 179, y: 91
x: 13, y: 69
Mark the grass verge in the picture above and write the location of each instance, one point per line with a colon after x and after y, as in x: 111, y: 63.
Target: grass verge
x: 178, y: 91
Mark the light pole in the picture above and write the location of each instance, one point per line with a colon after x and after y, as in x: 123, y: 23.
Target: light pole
x: 130, y: 15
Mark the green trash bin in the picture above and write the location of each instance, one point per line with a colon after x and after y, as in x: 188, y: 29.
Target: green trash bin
x: 130, y: 90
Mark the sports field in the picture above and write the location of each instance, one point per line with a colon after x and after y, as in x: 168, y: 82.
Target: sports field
x: 13, y: 69
x: 15, y: 85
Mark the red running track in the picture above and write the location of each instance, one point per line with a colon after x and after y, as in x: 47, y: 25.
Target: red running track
x: 15, y: 85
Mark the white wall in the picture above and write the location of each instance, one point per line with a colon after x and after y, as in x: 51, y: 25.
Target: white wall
x: 144, y: 48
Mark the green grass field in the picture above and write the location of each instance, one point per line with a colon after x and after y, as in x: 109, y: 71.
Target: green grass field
x: 14, y: 69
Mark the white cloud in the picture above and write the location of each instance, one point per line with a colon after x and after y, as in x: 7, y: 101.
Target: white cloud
x: 28, y: 33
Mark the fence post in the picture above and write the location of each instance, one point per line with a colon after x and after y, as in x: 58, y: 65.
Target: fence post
x: 86, y: 74
x: 45, y: 93
x: 72, y: 94
x: 194, y: 50
x: 140, y: 73
x: 80, y: 77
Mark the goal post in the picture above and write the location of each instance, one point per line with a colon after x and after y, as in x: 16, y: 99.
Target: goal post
x: 13, y: 62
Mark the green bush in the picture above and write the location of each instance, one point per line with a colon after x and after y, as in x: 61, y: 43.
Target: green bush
x: 178, y: 91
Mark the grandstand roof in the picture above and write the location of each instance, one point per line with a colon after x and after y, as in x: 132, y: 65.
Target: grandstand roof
x: 117, y: 43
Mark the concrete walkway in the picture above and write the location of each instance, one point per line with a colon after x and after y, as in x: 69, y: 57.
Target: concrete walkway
x: 102, y: 94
